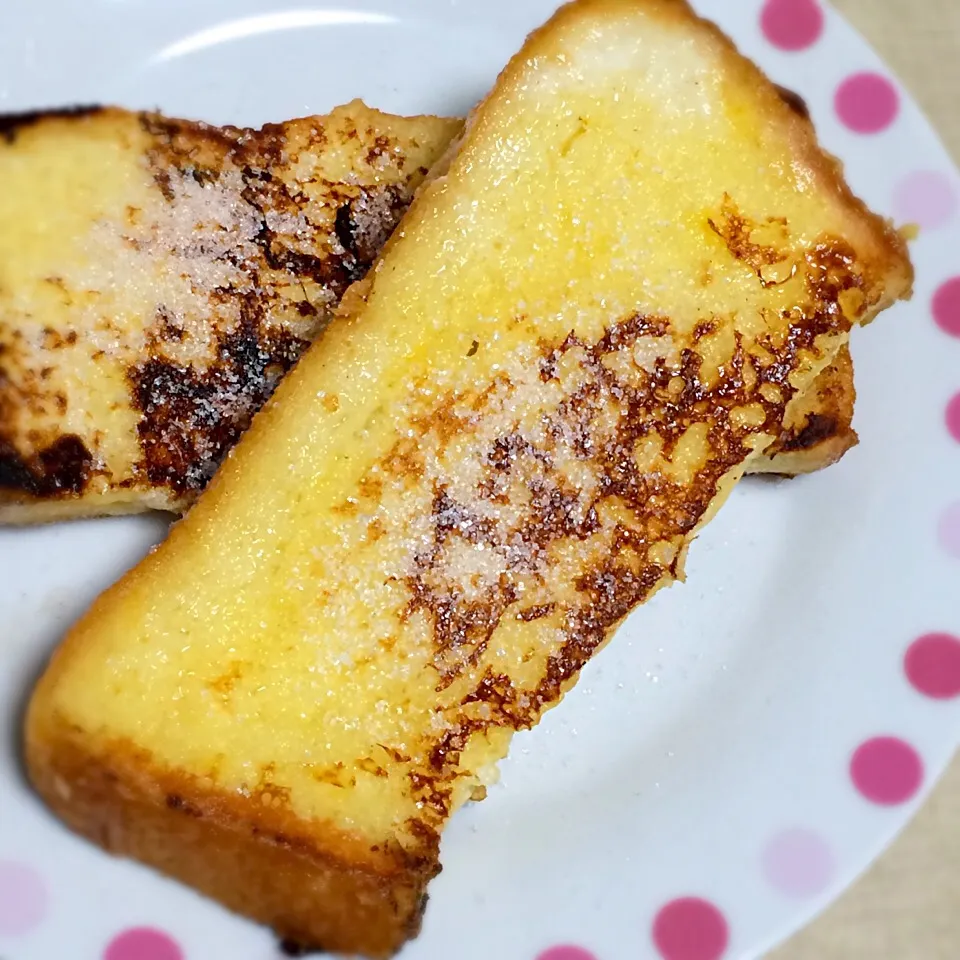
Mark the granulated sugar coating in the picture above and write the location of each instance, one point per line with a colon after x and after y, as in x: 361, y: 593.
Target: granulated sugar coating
x: 151, y: 309
x: 504, y: 443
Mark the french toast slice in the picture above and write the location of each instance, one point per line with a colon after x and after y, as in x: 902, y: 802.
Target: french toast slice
x: 507, y: 440
x: 157, y: 278
x: 120, y: 392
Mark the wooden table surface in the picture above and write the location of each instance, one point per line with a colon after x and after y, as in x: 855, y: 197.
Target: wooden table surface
x: 907, y: 906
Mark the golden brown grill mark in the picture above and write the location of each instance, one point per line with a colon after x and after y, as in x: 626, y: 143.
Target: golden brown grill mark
x: 737, y: 233
x: 63, y: 467
x: 630, y: 520
x: 54, y: 464
x: 817, y: 428
x: 192, y: 413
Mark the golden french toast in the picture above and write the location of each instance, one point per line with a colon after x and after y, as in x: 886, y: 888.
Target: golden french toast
x: 507, y: 440
x: 158, y: 277
x: 148, y: 307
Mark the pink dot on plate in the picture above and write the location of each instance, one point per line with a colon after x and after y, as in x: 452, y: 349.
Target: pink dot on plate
x: 142, y: 943
x: 690, y: 929
x: 792, y: 24
x: 932, y: 665
x: 886, y: 770
x: 949, y: 532
x: 953, y: 417
x: 925, y: 197
x: 867, y: 103
x: 23, y: 899
x: 798, y: 863
x: 566, y: 952
x: 946, y: 307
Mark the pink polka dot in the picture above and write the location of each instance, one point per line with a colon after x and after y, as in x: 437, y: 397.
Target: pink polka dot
x: 798, y: 863
x: 142, y: 943
x: 886, y: 770
x: 23, y: 899
x: 867, y: 103
x: 946, y: 307
x: 925, y: 197
x: 566, y: 952
x: 953, y: 417
x: 932, y: 665
x: 792, y: 24
x: 690, y: 929
x: 949, y: 530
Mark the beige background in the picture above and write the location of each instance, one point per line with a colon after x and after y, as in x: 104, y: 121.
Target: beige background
x: 907, y: 907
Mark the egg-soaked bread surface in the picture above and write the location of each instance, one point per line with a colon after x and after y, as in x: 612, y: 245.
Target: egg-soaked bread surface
x: 159, y: 276
x: 505, y: 442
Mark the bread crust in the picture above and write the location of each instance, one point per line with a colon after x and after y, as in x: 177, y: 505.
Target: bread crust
x: 254, y: 858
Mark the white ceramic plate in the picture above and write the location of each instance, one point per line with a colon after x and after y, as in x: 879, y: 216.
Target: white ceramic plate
x: 752, y: 739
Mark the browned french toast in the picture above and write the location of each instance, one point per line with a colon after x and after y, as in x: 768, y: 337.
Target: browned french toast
x: 158, y: 276
x: 507, y: 441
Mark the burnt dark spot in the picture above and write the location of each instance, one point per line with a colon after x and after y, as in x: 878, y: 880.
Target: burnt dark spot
x: 794, y: 101
x: 294, y: 948
x: 62, y: 468
x: 819, y: 427
x: 12, y: 123
x: 368, y: 220
x: 176, y: 802
x: 191, y: 417
x: 166, y: 326
x: 202, y: 176
x: 345, y: 230
x: 474, y: 347
x: 536, y: 612
x: 360, y: 236
x: 417, y: 919
x: 379, y: 148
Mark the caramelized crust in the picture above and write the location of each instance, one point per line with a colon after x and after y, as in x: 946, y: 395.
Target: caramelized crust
x: 507, y: 441
x: 370, y: 902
